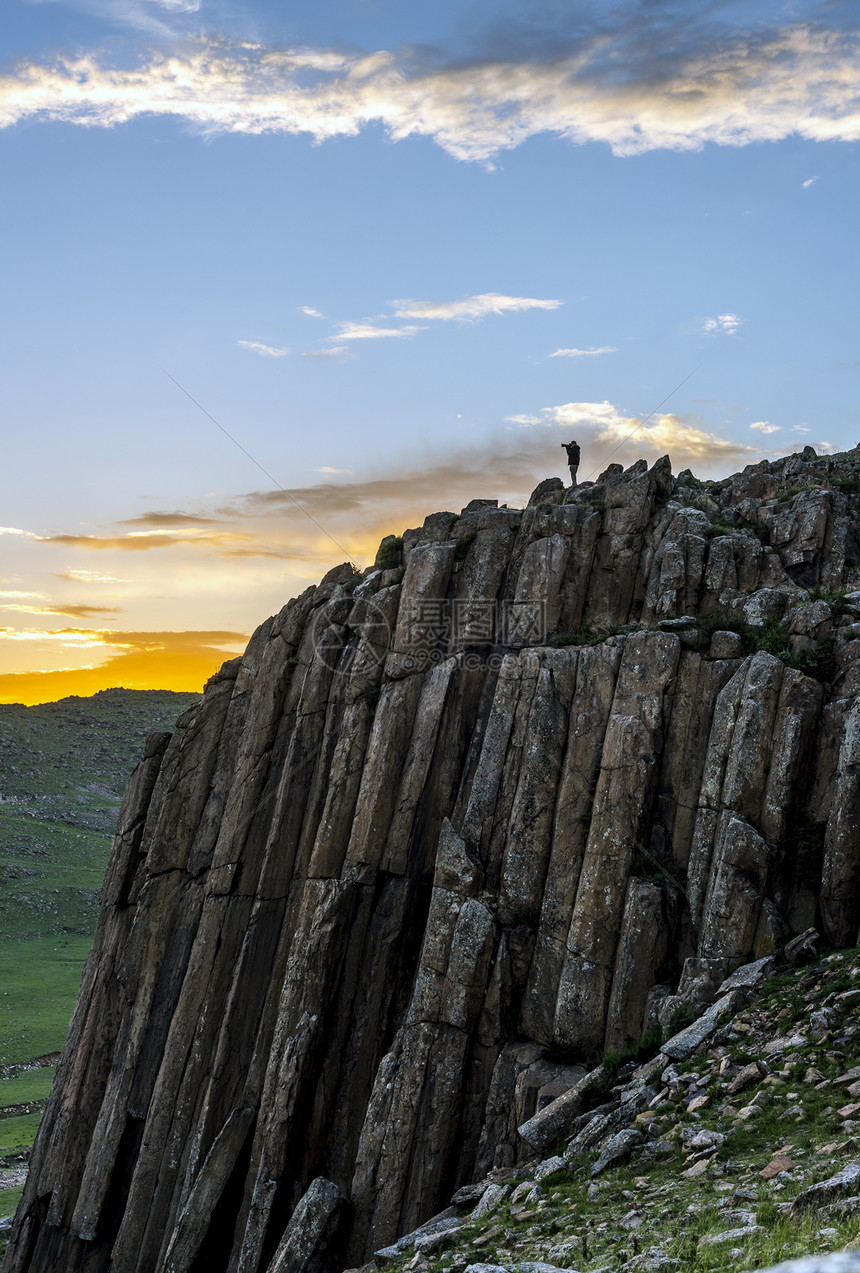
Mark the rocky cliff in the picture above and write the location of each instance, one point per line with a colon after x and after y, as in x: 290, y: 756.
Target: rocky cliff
x: 523, y: 792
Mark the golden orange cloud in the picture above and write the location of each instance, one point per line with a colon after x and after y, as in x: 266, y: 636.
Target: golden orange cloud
x: 141, y: 661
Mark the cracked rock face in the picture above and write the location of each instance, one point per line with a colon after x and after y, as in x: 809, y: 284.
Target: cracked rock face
x: 421, y: 838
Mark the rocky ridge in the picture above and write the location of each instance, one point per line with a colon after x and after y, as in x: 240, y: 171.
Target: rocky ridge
x: 726, y: 1149
x: 526, y: 791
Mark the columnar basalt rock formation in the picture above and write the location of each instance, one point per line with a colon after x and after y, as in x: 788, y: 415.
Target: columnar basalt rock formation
x: 449, y: 828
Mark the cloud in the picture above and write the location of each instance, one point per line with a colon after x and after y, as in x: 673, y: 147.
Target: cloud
x: 224, y: 541
x: 591, y: 352
x: 68, y: 611
x: 264, y: 351
x: 727, y: 323
x: 602, y: 423
x: 325, y: 469
x: 311, y: 313
x: 799, y: 428
x: 367, y: 331
x: 764, y: 426
x: 810, y: 181
x: 638, y: 89
x: 88, y: 576
x: 136, y: 660
x: 471, y: 307
x: 178, y: 518
x: 339, y: 353
x: 14, y: 530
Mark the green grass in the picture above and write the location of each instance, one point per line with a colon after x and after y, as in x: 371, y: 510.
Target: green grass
x: 40, y: 981
x: 52, y: 876
x: 63, y: 769
x: 18, y: 1133
x: 580, y: 637
x: 9, y: 1199
x: 31, y: 1085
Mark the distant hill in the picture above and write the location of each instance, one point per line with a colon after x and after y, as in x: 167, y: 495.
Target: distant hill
x: 69, y: 761
x: 63, y: 769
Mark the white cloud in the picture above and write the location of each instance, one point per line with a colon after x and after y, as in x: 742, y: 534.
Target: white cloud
x: 91, y: 576
x: 634, y: 92
x: 141, y: 14
x: 471, y: 307
x: 810, y: 181
x: 764, y: 426
x: 598, y: 425
x: 14, y: 530
x: 326, y: 469
x: 311, y: 313
x: 265, y: 351
x: 591, y: 352
x: 367, y: 331
x: 339, y: 353
x: 799, y: 428
x: 727, y: 323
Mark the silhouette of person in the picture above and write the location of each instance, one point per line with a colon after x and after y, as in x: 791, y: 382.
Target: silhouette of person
x: 572, y: 449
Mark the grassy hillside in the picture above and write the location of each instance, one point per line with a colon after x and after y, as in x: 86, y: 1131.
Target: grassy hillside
x: 724, y: 1167
x: 63, y: 769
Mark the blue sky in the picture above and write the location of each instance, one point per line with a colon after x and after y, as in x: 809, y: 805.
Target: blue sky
x: 400, y: 252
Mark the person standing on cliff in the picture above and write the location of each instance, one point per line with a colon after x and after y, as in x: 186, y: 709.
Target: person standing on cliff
x: 572, y: 449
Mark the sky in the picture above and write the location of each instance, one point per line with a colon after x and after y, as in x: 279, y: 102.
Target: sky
x: 282, y: 279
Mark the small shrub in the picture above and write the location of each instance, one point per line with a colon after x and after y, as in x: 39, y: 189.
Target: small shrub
x: 836, y: 600
x: 819, y: 661
x: 463, y: 544
x: 719, y: 528
x: 390, y: 554
x: 580, y: 637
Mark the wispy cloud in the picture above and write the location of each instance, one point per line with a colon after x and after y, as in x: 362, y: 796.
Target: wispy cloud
x: 326, y: 469
x: 220, y: 540
x: 311, y: 313
x: 368, y: 331
x: 764, y: 426
x: 726, y: 323
x: 88, y: 576
x: 150, y: 16
x: 810, y: 181
x: 15, y: 530
x: 159, y: 520
x: 471, y: 308
x: 69, y: 611
x: 633, y: 90
x: 591, y: 352
x: 264, y: 351
x: 338, y: 353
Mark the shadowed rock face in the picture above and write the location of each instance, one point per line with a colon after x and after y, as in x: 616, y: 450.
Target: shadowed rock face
x: 409, y: 852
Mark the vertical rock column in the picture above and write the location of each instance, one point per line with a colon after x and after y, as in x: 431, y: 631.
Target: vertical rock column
x: 619, y: 825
